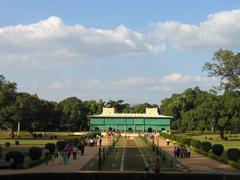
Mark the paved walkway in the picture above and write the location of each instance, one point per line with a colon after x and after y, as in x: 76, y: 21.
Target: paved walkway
x: 55, y: 166
x: 199, y: 163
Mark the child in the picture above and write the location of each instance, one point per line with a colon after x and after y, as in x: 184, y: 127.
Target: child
x: 147, y: 167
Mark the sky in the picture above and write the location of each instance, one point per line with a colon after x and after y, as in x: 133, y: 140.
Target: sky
x: 138, y: 51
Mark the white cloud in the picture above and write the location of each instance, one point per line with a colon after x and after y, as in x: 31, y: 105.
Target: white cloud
x: 52, y: 39
x: 60, y: 85
x: 131, y: 89
x: 221, y: 29
x: 177, y: 78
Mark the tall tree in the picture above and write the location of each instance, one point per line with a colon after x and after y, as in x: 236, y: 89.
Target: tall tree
x: 7, y: 106
x: 74, y: 114
x: 119, y: 105
x: 225, y: 65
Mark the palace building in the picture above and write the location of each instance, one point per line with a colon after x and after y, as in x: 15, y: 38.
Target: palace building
x: 151, y: 121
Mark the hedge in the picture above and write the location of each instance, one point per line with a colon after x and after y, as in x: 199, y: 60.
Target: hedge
x: 206, y: 146
x: 36, y: 162
x: 7, y: 144
x: 233, y: 154
x: 217, y: 149
x: 196, y: 143
x: 60, y: 145
x: 17, y: 156
x: 35, y: 153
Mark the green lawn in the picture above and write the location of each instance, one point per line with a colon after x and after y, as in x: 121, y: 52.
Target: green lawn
x: 232, y: 142
x: 137, y: 153
x: 26, y: 142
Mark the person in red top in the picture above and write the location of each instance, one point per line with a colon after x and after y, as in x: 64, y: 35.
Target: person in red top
x: 1, y: 150
x: 157, y: 166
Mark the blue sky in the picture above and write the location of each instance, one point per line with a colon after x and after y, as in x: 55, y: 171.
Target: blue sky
x: 138, y: 51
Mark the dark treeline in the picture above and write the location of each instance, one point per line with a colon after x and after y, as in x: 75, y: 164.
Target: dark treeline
x: 194, y: 109
x: 197, y: 110
x: 35, y: 114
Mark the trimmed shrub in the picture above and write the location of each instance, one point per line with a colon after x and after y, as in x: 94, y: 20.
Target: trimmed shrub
x: 186, y: 141
x: 217, y: 149
x: 51, y: 147
x: 17, y: 142
x: 17, y: 156
x: 40, y: 135
x: 196, y: 143
x: 60, y: 145
x: 35, y: 153
x: 206, y: 146
x: 7, y: 144
x: 233, y: 154
x: 34, y: 135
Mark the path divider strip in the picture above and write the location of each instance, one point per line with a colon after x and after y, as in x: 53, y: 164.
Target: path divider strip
x: 143, y: 157
x: 123, y: 157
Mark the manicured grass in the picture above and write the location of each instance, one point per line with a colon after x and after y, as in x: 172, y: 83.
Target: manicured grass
x: 214, y: 139
x: 26, y: 142
x: 232, y: 142
x: 137, y: 153
x: 152, y: 156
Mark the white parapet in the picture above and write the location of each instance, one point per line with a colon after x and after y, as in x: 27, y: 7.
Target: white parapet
x: 152, y: 111
x: 108, y: 111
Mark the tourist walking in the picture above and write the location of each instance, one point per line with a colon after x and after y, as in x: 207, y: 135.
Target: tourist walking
x: 75, y: 150
x: 168, y: 141
x: 178, y: 151
x: 65, y: 156
x: 189, y: 151
x: 1, y: 150
x: 69, y: 151
x: 147, y: 167
x: 182, y: 152
x: 60, y: 157
x: 175, y: 151
x: 82, y: 147
x: 46, y: 156
x: 157, y: 166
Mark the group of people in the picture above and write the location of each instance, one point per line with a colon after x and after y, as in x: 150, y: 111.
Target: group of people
x: 182, y: 151
x: 73, y: 150
x: 91, y: 142
x: 111, y: 133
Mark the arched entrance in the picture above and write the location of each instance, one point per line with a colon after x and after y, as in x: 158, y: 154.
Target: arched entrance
x: 163, y: 130
x: 96, y: 129
x: 150, y: 130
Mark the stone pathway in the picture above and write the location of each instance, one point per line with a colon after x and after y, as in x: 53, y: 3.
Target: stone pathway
x: 54, y: 166
x: 199, y: 163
